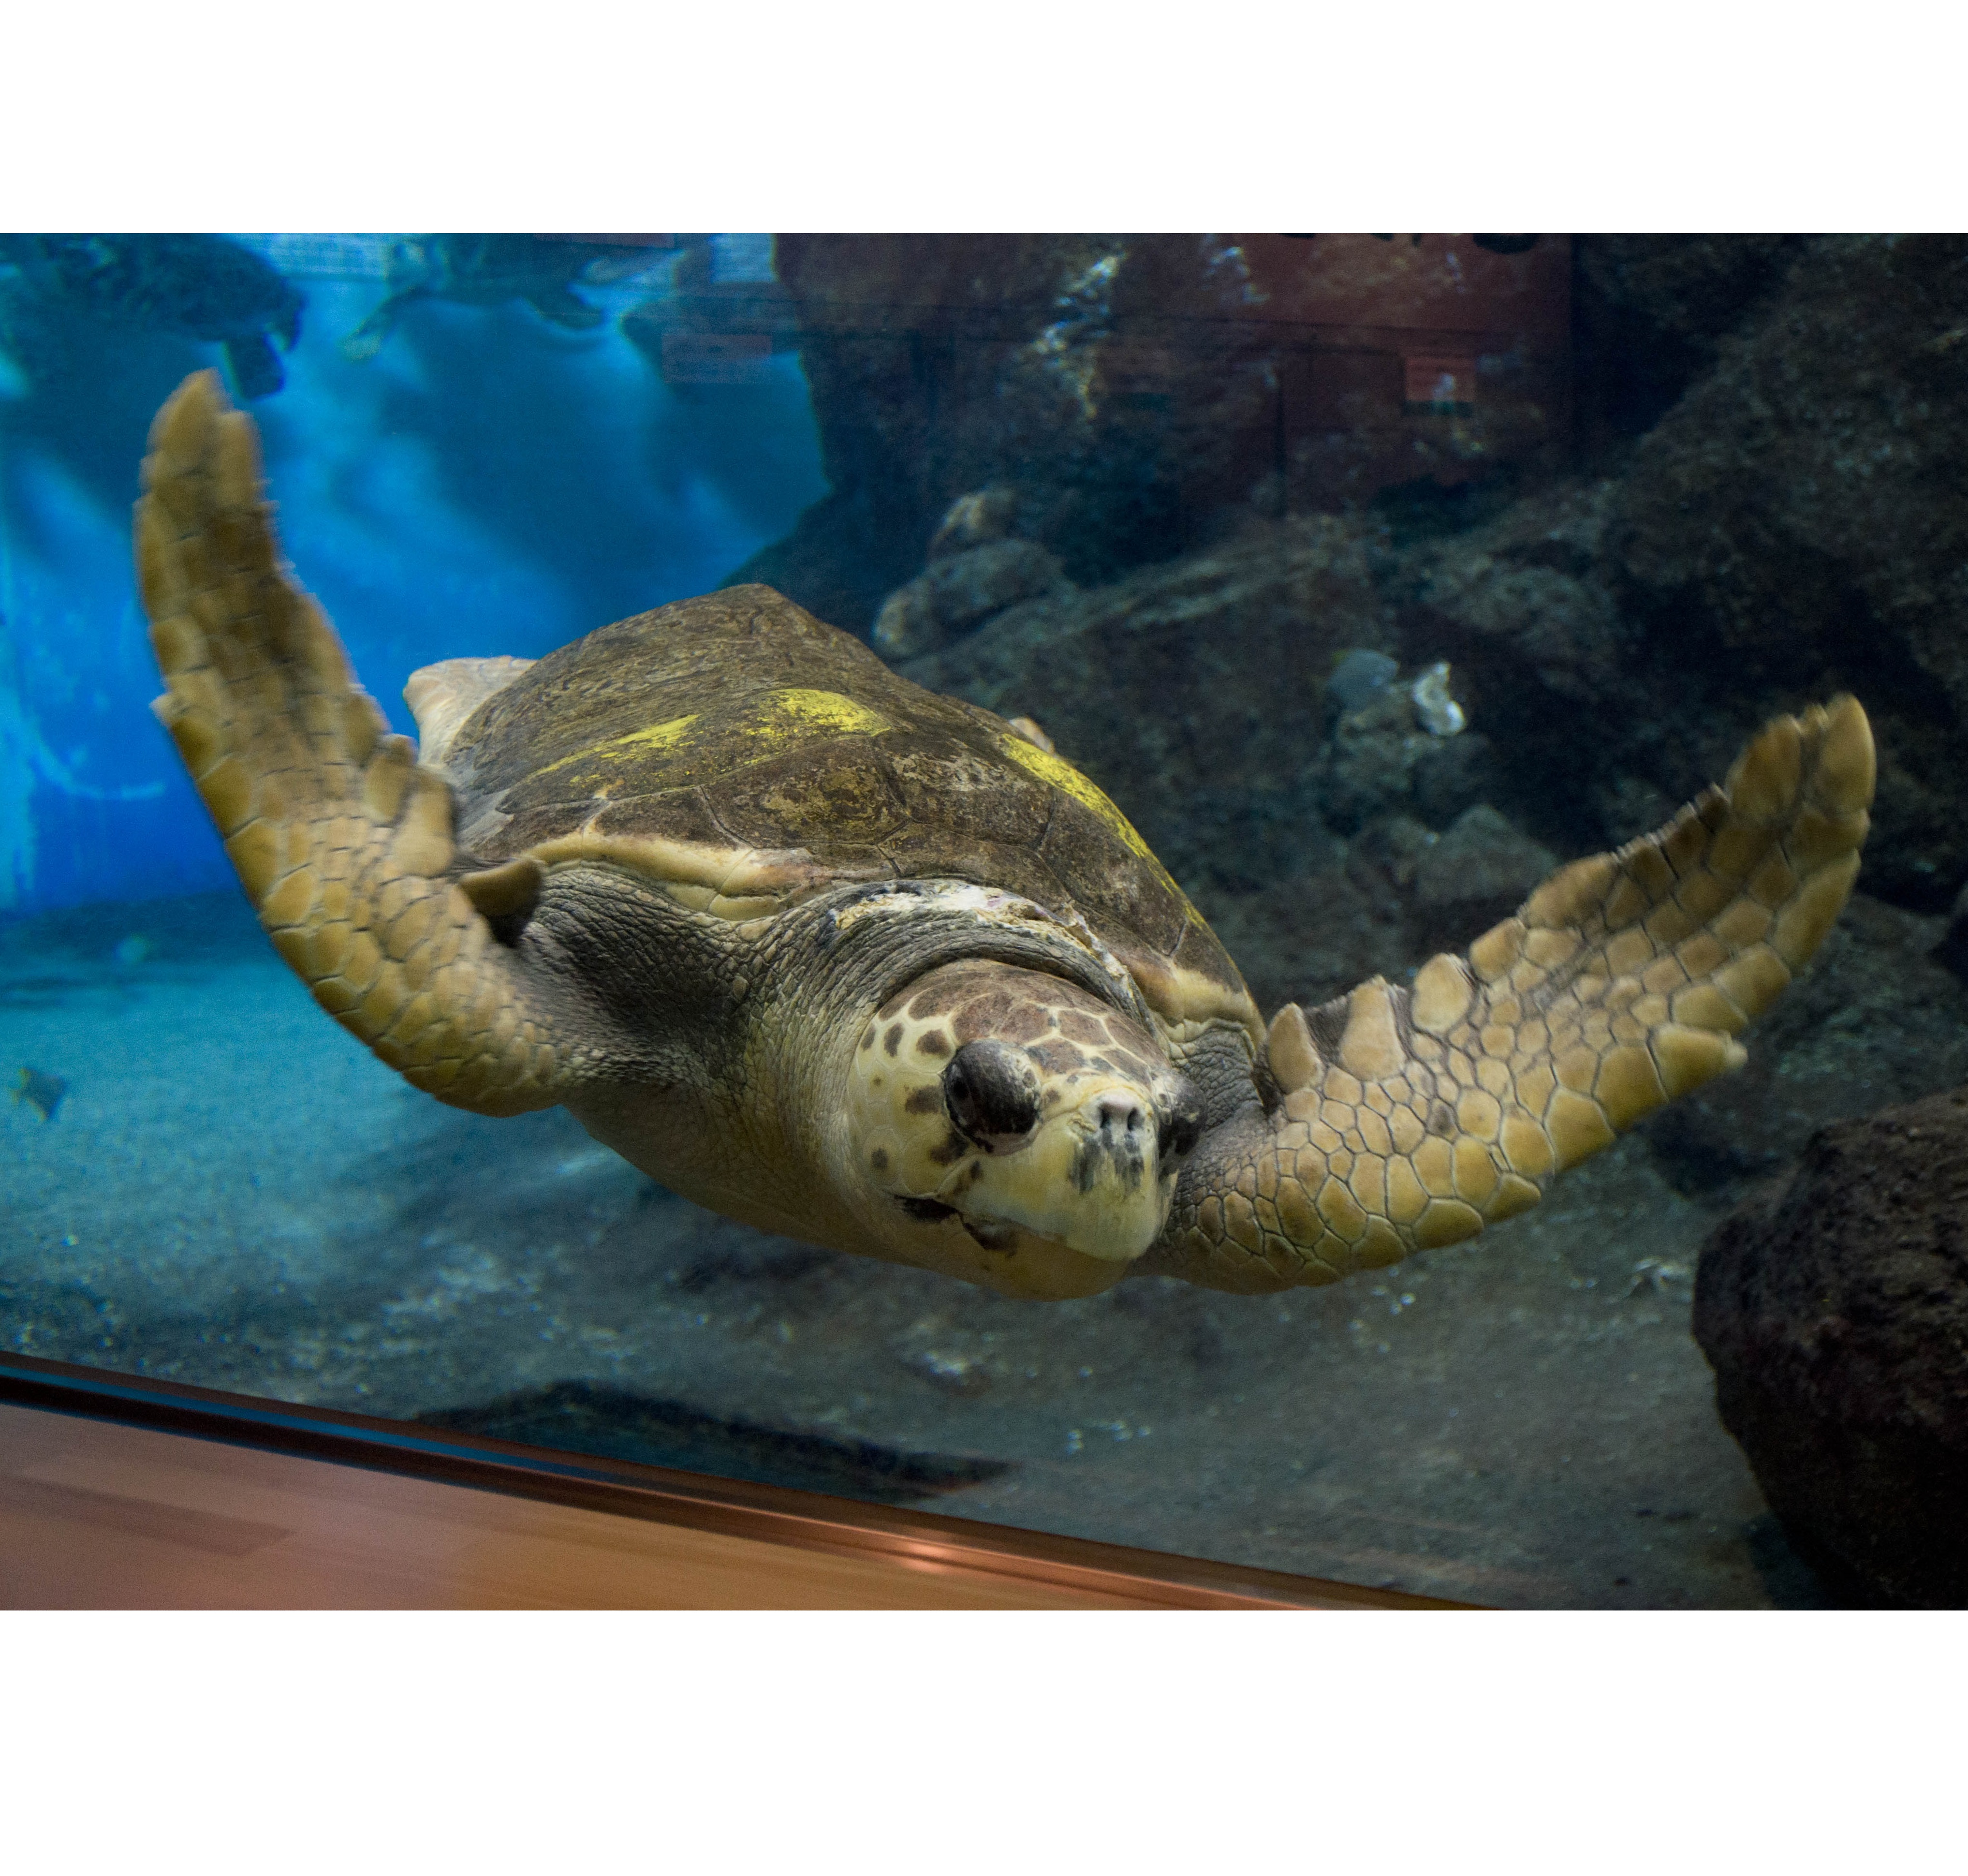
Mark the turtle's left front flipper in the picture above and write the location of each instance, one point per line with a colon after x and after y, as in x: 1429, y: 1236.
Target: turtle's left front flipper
x: 341, y: 840
x: 1410, y: 1119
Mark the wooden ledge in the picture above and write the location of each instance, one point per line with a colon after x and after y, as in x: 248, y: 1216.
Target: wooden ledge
x: 120, y: 1491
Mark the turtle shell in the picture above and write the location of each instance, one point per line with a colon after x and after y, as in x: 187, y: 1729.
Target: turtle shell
x: 745, y: 755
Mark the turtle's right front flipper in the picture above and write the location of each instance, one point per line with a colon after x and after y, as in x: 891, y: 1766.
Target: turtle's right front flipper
x: 341, y: 840
x: 1406, y: 1120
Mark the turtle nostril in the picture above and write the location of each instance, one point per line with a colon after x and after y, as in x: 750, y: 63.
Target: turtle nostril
x: 1121, y: 1113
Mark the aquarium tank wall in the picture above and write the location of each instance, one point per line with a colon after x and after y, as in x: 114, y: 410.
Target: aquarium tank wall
x: 1371, y: 578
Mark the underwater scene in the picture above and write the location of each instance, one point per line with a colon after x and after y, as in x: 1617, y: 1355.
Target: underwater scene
x: 1295, y: 899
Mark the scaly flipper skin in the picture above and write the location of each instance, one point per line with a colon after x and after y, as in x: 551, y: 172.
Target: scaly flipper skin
x: 340, y: 839
x: 1411, y: 1119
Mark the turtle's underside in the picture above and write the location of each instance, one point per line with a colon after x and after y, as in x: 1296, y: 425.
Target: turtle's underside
x: 868, y: 966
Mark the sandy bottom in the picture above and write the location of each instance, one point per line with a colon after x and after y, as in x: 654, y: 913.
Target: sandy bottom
x: 232, y: 1192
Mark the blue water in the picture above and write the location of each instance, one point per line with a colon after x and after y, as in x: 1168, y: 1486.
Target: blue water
x: 487, y: 483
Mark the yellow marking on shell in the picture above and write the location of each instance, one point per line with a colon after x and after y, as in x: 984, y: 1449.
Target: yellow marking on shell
x: 1060, y: 774
x: 796, y: 713
x: 655, y: 739
x: 791, y: 716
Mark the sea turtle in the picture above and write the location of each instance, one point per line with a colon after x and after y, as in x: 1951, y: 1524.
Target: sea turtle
x: 865, y: 966
x: 489, y: 269
x: 200, y: 286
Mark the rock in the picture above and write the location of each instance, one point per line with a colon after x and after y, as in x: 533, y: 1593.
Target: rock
x: 1313, y: 935
x: 1454, y: 773
x: 1143, y: 392
x: 960, y: 590
x: 1521, y: 599
x: 1953, y: 949
x: 1789, y: 527
x: 1548, y: 672
x: 1794, y: 525
x: 1371, y: 760
x: 984, y: 515
x: 1835, y: 1318
x: 1388, y: 732
x: 1111, y: 378
x: 1649, y: 313
x: 1435, y: 708
x: 1480, y: 871
x: 1359, y: 679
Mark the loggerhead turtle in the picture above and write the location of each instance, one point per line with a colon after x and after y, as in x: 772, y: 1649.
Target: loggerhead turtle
x: 864, y: 966
x: 203, y: 286
x: 489, y: 269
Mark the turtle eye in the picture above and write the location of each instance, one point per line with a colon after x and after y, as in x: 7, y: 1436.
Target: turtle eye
x: 991, y: 1092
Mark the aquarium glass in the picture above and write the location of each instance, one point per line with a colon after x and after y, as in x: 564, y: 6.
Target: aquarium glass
x: 1372, y: 576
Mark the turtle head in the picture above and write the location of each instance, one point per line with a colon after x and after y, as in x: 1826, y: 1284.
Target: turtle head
x: 1002, y: 1116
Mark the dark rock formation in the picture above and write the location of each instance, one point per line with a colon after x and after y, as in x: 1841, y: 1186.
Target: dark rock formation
x: 1953, y: 949
x: 1551, y: 673
x: 1481, y: 870
x: 1791, y: 526
x: 961, y: 590
x: 1108, y: 377
x: 1648, y: 314
x: 1794, y: 525
x: 1836, y: 1318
